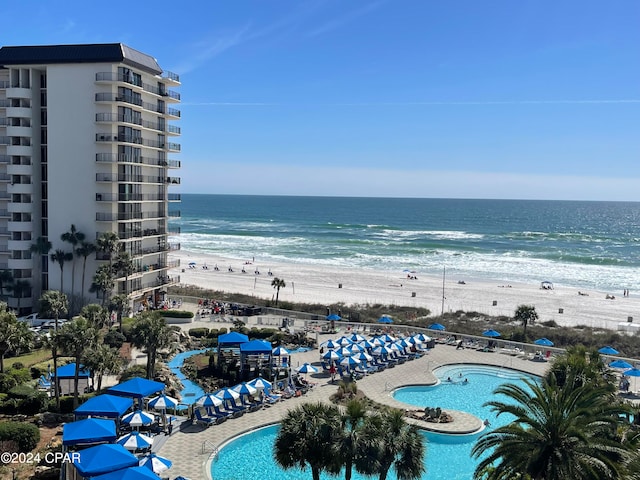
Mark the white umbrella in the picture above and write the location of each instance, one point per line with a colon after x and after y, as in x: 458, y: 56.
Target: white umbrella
x: 367, y: 344
x: 377, y: 341
x: 355, y: 337
x: 344, y: 341
x: 260, y: 383
x: 331, y: 355
x: 350, y: 362
x: 279, y: 351
x: 363, y: 357
x: 227, y: 394
x: 155, y: 463
x: 355, y: 348
x: 382, y: 350
x: 138, y: 418
x: 330, y: 344
x: 162, y: 402
x: 344, y: 352
x: 306, y: 368
x: 135, y: 441
x: 208, y: 400
x: 245, y: 389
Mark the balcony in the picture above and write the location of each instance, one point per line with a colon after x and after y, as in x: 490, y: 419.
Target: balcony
x: 121, y: 177
x: 173, y: 231
x: 173, y: 180
x: 139, y: 159
x: 5, y: 159
x: 18, y: 112
x: 174, y: 213
x: 19, y: 92
x: 175, y: 197
x: 162, y: 281
x: 171, y: 77
x: 108, y: 77
x: 117, y: 217
x: 173, y: 147
x: 129, y: 197
x: 172, y: 112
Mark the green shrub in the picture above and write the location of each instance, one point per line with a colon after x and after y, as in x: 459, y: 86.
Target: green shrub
x: 17, y: 365
x: 9, y: 406
x: 22, y: 391
x: 26, y: 435
x: 36, y: 403
x: 199, y: 332
x: 21, y: 375
x: 7, y: 382
x: 36, y: 372
x: 134, y: 371
x: 176, y: 313
x: 114, y: 339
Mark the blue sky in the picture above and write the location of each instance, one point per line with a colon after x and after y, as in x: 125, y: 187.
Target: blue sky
x: 420, y: 98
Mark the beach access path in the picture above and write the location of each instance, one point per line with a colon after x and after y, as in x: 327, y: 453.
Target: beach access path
x: 192, y: 447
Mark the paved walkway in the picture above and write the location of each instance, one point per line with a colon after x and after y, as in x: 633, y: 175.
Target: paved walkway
x: 191, y: 447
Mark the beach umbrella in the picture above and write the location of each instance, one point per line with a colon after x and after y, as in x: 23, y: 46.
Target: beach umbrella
x: 355, y: 348
x: 436, y: 326
x: 260, y: 383
x: 245, y: 389
x: 330, y: 344
x: 385, y: 319
x: 344, y: 352
x: 491, y: 333
x: 382, y: 350
x: 344, y: 341
x: 363, y: 357
x: 403, y: 342
x: 367, y: 344
x: 608, y: 350
x: 208, y: 400
x: 306, y: 368
x: 135, y: 441
x: 620, y: 364
x: 633, y: 372
x: 377, y: 341
x: 387, y: 338
x: 227, y: 394
x: 162, y: 402
x: 191, y: 264
x: 423, y: 337
x: 334, y: 317
x: 331, y: 355
x: 155, y: 463
x: 544, y: 342
x: 349, y: 362
x: 138, y: 418
x: 279, y: 351
x: 356, y: 337
x: 416, y: 340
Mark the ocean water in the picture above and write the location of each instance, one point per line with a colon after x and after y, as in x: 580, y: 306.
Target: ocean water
x: 592, y: 245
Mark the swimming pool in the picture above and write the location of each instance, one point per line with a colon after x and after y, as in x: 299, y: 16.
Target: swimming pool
x: 448, y: 456
x: 191, y: 391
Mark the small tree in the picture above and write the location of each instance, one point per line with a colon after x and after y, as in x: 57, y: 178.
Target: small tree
x: 525, y: 314
x: 278, y: 283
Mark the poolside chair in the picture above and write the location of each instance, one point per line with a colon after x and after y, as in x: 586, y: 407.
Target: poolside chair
x: 249, y: 405
x: 202, y: 418
x: 223, y: 412
x: 232, y: 406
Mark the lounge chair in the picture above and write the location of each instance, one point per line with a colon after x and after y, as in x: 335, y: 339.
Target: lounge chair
x: 202, y: 418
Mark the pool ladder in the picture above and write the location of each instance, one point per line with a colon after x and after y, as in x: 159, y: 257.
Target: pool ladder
x: 208, y: 447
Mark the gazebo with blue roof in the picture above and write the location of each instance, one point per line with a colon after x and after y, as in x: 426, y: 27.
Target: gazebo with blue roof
x: 103, y: 459
x: 89, y: 431
x: 229, y: 345
x: 65, y: 375
x: 137, y: 387
x: 105, y: 405
x: 254, y: 354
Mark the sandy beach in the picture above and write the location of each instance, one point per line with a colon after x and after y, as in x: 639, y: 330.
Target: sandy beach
x: 327, y: 285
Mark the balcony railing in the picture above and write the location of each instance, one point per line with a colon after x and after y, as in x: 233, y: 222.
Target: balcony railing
x: 174, y: 213
x: 174, y: 147
x: 123, y: 158
x: 118, y: 217
x: 130, y: 197
x: 121, y: 177
x: 171, y: 76
x: 174, y: 231
x: 173, y: 112
x: 175, y: 197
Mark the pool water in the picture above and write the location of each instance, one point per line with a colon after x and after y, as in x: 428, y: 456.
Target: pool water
x: 191, y: 391
x: 448, y: 456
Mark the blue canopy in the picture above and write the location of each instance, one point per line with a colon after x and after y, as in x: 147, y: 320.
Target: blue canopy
x: 103, y: 458
x: 491, y: 333
x: 334, y: 316
x: 90, y: 430
x: 233, y: 338
x: 385, y: 319
x: 105, y: 405
x: 608, y: 350
x: 137, y: 387
x: 436, y: 326
x: 131, y: 473
x: 256, y: 346
x: 69, y: 371
x: 544, y: 342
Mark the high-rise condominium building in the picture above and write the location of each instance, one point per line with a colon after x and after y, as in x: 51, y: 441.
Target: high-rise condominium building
x: 86, y: 139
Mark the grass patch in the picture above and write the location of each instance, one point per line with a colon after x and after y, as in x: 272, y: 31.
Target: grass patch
x: 32, y: 358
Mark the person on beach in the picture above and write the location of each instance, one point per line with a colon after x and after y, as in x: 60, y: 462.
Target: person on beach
x: 332, y: 371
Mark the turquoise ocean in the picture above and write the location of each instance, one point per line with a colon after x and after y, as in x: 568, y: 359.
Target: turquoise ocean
x: 590, y: 245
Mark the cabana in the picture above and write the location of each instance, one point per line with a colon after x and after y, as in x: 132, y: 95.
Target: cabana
x: 109, y: 406
x: 64, y: 375
x: 88, y: 431
x: 137, y: 387
x: 229, y: 345
x: 131, y: 473
x: 255, y: 354
x: 102, y: 459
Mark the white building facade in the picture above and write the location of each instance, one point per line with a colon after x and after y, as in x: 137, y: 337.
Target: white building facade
x: 87, y: 137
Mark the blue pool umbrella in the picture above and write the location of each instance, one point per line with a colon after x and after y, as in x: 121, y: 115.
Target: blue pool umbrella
x: 491, y: 333
x: 356, y: 337
x: 138, y: 418
x: 89, y: 430
x: 633, y: 372
x: 385, y: 319
x: 155, y: 463
x: 367, y: 344
x: 334, y: 317
x: 245, y: 389
x: 350, y: 362
x: 208, y: 400
x: 260, y: 383
x: 436, y: 326
x: 330, y: 344
x: 363, y: 357
x: 306, y: 368
x: 227, y: 394
x: 608, y: 350
x: 162, y: 402
x: 331, y: 355
x: 620, y: 364
x: 135, y: 441
x: 279, y: 351
x: 382, y: 350
x: 344, y: 352
x: 544, y: 342
x: 377, y: 341
x: 344, y: 341
x: 355, y: 348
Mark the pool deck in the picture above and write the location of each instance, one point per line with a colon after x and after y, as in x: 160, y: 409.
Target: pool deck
x: 192, y: 447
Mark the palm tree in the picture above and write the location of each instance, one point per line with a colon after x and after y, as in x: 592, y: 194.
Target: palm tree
x: 21, y: 288
x: 42, y: 247
x: 351, y: 442
x: 76, y: 338
x: 14, y: 335
x: 389, y: 441
x: 84, y: 250
x: 582, y: 365
x: 310, y: 435
x: 61, y: 257
x: 56, y: 304
x: 123, y: 266
x: 278, y: 283
x: 559, y: 432
x: 525, y: 314
x: 120, y: 304
x: 108, y: 243
x: 103, y: 282
x: 151, y: 332
x: 6, y: 278
x: 96, y: 315
x: 103, y: 360
x: 73, y: 237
